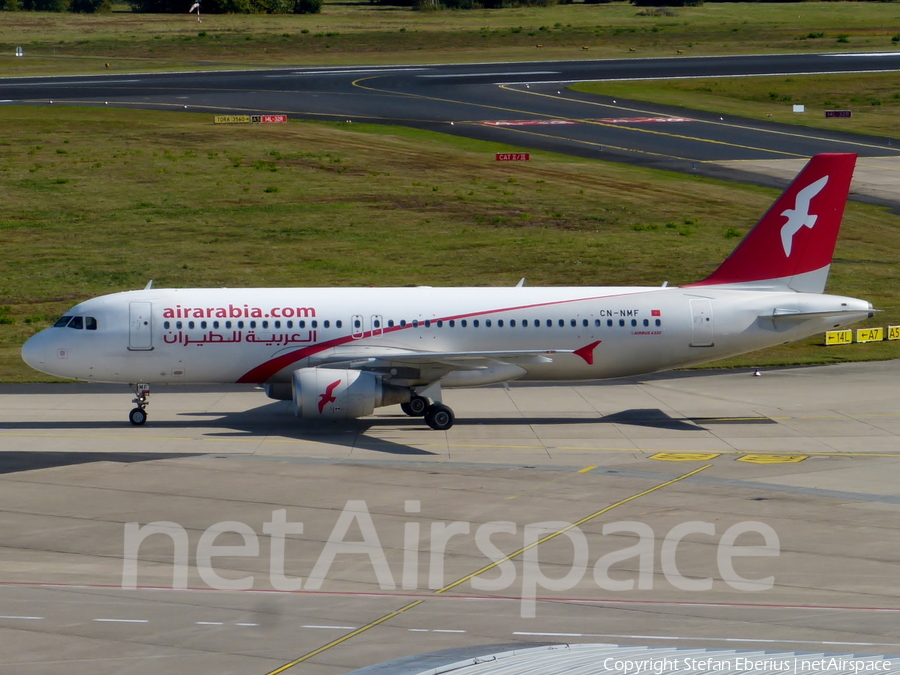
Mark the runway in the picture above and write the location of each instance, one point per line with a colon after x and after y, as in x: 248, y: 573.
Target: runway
x: 521, y: 104
x: 809, y: 452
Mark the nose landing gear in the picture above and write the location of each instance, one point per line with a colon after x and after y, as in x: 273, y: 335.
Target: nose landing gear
x: 142, y: 398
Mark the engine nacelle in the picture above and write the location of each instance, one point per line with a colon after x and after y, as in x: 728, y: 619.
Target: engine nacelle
x: 325, y: 393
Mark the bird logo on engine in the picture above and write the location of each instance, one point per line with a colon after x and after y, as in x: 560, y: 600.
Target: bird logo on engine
x: 326, y: 398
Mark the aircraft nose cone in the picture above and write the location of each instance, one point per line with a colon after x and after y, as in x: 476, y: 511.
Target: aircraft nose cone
x: 34, y: 352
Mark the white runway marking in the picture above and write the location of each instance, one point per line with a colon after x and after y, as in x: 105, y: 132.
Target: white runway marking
x: 209, y: 623
x: 24, y: 618
x: 335, y: 627
x: 123, y: 620
x: 63, y: 84
x: 536, y: 72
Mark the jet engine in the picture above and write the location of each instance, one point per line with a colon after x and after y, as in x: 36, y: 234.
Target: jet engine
x: 324, y: 393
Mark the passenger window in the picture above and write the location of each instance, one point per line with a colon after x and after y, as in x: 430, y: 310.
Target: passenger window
x: 537, y: 323
x: 562, y: 323
x: 340, y: 323
x: 427, y: 323
x: 357, y: 323
x: 178, y: 325
x: 191, y: 325
x: 377, y: 323
x: 390, y: 323
x: 597, y: 323
x: 634, y: 322
x: 500, y: 323
x: 315, y: 324
x: 512, y: 323
x: 240, y: 324
x: 621, y: 322
x: 487, y: 323
x: 166, y: 325
x: 77, y: 322
x: 440, y: 323
x: 402, y: 323
x: 584, y: 322
x: 227, y: 324
x: 646, y: 322
x: 277, y: 324
x: 290, y: 324
x: 326, y: 324
x: 203, y: 324
x: 549, y: 323
x: 524, y: 323
x: 452, y: 323
x: 415, y: 323
x: 63, y: 322
x: 572, y: 322
x: 215, y: 324
x: 252, y: 324
x: 463, y: 323
x: 609, y: 322
x: 475, y: 323
x: 658, y: 322
x: 90, y: 323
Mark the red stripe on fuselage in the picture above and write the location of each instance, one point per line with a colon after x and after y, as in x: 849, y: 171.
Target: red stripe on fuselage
x: 266, y: 370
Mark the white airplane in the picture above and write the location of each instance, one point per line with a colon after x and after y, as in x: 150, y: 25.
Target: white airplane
x: 339, y: 353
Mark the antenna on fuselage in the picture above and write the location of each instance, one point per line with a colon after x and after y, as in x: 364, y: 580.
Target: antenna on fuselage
x: 521, y: 283
x: 149, y: 285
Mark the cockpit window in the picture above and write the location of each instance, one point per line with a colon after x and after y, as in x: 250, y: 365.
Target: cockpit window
x: 90, y: 323
x: 63, y: 322
x: 77, y: 322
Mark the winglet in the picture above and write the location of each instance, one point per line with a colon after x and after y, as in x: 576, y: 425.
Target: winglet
x: 587, y: 352
x: 793, y: 243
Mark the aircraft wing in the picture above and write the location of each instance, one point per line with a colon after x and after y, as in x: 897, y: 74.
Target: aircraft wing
x: 384, y: 358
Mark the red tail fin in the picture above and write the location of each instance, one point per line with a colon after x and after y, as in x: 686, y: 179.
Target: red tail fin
x: 792, y: 245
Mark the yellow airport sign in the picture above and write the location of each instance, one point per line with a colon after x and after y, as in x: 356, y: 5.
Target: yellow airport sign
x: 232, y: 119
x: 869, y: 334
x: 839, y: 337
x: 772, y: 459
x: 893, y: 333
x: 685, y: 456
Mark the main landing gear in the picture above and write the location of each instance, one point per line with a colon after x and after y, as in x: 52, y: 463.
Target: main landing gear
x: 142, y: 398
x: 438, y: 416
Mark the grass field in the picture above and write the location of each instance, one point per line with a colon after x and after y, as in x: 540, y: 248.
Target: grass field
x: 873, y: 98
x: 102, y: 200
x: 358, y: 32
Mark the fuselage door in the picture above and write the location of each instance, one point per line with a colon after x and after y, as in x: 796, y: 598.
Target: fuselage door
x: 140, y: 326
x: 702, y: 319
x: 358, y: 326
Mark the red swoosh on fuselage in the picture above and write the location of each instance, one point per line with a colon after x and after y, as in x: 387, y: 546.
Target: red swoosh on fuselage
x: 266, y: 370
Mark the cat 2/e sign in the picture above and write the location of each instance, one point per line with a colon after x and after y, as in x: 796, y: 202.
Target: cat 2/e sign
x: 513, y: 156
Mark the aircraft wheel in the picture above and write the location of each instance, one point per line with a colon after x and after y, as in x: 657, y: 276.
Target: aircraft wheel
x: 439, y: 417
x: 137, y: 416
x: 416, y: 406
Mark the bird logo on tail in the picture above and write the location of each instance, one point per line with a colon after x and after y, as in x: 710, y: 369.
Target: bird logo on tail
x: 799, y: 216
